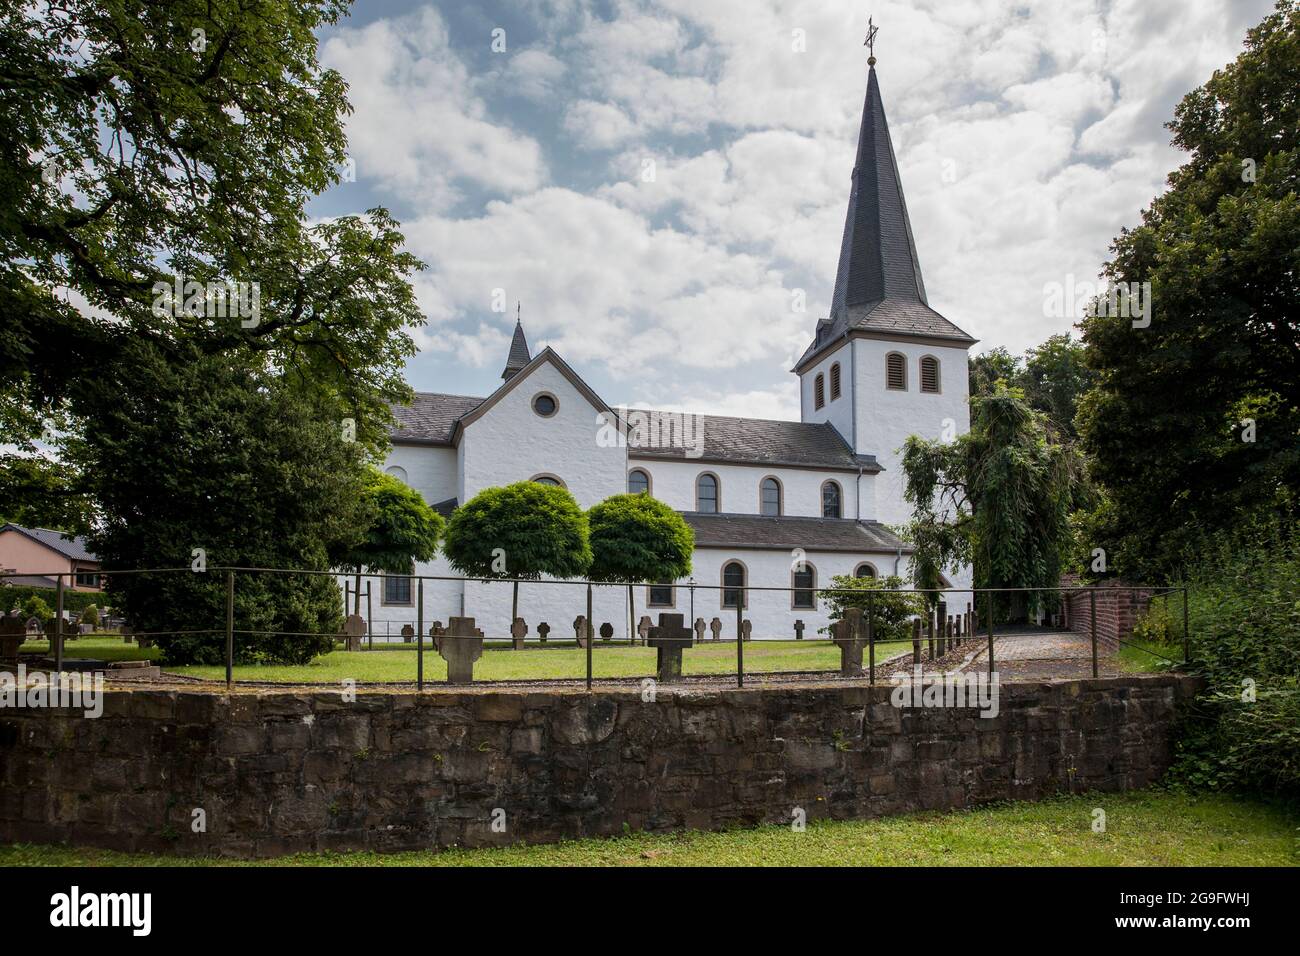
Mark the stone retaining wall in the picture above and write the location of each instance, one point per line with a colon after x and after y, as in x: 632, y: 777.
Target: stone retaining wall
x: 280, y: 772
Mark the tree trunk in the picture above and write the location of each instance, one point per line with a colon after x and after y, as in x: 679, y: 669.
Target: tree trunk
x: 514, y: 610
x: 631, y: 611
x: 356, y: 593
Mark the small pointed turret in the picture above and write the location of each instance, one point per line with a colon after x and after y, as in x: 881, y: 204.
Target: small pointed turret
x: 518, y: 356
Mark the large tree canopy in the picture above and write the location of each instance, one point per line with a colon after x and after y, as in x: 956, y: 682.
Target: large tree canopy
x: 1053, y: 377
x: 1194, y: 422
x: 636, y: 538
x: 524, y: 530
x: 998, y: 497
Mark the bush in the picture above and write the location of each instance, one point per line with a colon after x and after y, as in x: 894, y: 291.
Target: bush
x: 90, y: 615
x: 13, y: 595
x: 891, y: 611
x: 34, y: 607
x: 1244, y: 614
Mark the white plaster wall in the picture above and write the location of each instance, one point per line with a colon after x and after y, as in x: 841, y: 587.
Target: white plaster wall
x: 513, y: 443
x: 430, y: 469
x: 673, y: 483
x: 840, y: 411
x: 886, y: 418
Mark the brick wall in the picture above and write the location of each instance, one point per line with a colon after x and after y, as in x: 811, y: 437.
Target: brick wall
x: 279, y: 772
x: 1119, y: 605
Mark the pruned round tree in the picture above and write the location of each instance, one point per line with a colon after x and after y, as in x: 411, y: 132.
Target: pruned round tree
x: 524, y: 530
x: 402, y: 529
x: 636, y: 538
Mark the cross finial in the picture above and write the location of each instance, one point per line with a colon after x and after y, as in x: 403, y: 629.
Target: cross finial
x: 519, y: 319
x: 870, y: 42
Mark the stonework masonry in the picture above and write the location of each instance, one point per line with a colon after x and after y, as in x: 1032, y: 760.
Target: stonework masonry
x: 286, y: 771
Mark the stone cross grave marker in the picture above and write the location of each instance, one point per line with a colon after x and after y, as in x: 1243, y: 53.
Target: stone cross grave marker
x: 462, y: 645
x: 700, y: 628
x: 543, y: 631
x: 128, y: 634
x: 607, y: 632
x: 518, y: 631
x: 436, y: 632
x: 408, y: 633
x: 746, y: 629
x: 798, y: 630
x: 670, y: 637
x: 643, y: 627
x: 354, y: 628
x: 716, y: 627
x: 847, y: 635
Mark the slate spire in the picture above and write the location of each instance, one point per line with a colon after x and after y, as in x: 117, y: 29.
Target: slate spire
x: 518, y: 356
x: 877, y: 255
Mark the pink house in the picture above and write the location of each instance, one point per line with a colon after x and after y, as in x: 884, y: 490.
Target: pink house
x: 32, y: 555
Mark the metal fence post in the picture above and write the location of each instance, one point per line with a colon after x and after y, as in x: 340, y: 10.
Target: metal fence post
x: 990, y: 608
x: 370, y: 620
x: 1187, y: 634
x: 1092, y: 595
x: 230, y: 630
x: 590, y: 635
x: 419, y: 635
x: 871, y: 640
x: 740, y: 639
x: 58, y: 628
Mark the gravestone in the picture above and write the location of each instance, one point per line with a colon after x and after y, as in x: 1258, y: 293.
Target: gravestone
x: 436, y: 634
x: 700, y: 628
x: 746, y: 629
x: 670, y: 637
x: 607, y: 632
x: 408, y: 633
x: 543, y: 631
x: 518, y: 631
x: 13, y: 631
x: 847, y: 635
x: 580, y: 630
x: 354, y: 628
x: 798, y: 630
x: 128, y: 633
x: 716, y: 627
x: 643, y: 627
x: 461, y: 645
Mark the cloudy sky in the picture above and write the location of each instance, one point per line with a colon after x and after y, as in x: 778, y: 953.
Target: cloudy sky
x: 661, y: 183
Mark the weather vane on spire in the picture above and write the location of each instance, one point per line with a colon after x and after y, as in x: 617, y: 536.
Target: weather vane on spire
x: 870, y: 42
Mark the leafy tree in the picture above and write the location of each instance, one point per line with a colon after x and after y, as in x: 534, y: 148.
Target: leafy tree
x: 987, y: 368
x: 1194, y: 422
x: 636, y: 538
x: 524, y: 530
x: 998, y: 497
x: 1055, y: 378
x: 240, y: 463
x: 891, y: 610
x: 38, y: 492
x: 35, y: 607
x: 402, y: 529
x: 90, y: 615
x: 149, y: 144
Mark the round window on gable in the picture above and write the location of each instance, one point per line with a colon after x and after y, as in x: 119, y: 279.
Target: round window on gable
x: 544, y: 404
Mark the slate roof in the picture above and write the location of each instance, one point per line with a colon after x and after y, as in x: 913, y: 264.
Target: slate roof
x: 878, y: 283
x: 519, y: 355
x: 757, y: 441
x: 73, y: 547
x: 430, y: 418
x: 785, y: 533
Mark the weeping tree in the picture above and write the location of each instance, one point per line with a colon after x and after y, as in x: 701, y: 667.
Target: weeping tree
x: 400, y: 530
x: 636, y: 538
x: 524, y: 530
x: 998, y: 497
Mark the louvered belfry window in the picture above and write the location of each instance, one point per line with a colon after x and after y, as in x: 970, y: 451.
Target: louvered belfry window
x: 835, y: 381
x: 929, y: 374
x: 896, y: 371
x: 819, y: 391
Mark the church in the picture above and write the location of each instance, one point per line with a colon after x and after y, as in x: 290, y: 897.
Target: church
x: 774, y: 504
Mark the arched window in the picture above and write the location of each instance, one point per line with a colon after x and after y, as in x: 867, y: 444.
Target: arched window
x: 929, y: 373
x: 864, y: 570
x: 397, y: 471
x: 638, y: 482
x: 835, y: 381
x: 706, y: 494
x: 769, y: 498
x: 547, y: 480
x: 804, y: 581
x: 819, y: 391
x: 896, y: 371
x: 831, y: 500
x: 733, y: 584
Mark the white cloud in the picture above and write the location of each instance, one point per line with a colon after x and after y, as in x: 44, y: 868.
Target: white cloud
x: 598, y: 125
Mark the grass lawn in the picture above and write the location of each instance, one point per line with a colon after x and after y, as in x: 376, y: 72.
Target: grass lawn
x: 1138, y: 656
x: 1146, y: 828
x: 608, y: 660
x: 104, y: 647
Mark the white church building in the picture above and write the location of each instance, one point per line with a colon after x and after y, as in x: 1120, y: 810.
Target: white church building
x: 780, y: 504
